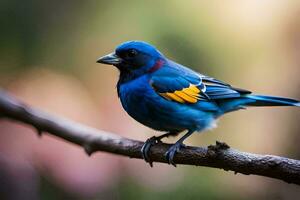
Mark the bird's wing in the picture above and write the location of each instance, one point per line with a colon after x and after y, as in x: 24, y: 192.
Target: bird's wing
x: 178, y: 84
x: 183, y: 85
x: 179, y: 89
x: 216, y: 89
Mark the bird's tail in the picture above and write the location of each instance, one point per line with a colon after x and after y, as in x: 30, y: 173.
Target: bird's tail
x: 229, y: 105
x: 262, y: 100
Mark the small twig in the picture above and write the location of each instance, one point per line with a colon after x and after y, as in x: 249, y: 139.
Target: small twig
x: 92, y: 140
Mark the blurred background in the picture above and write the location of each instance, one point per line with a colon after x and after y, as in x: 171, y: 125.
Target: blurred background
x: 48, y: 52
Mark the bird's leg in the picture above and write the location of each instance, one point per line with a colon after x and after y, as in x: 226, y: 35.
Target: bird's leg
x: 152, y: 141
x: 176, y: 147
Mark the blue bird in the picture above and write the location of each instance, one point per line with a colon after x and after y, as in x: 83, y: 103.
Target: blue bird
x: 170, y: 97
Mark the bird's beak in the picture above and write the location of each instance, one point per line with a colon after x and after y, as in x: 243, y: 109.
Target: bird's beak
x: 110, y: 59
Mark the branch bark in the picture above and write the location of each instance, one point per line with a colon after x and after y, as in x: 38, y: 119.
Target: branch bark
x: 92, y: 140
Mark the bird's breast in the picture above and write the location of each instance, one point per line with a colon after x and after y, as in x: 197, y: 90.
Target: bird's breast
x: 139, y: 100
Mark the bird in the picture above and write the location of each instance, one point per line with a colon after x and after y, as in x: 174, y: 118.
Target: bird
x: 172, y: 98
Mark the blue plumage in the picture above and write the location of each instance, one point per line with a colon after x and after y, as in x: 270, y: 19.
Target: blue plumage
x: 167, y: 96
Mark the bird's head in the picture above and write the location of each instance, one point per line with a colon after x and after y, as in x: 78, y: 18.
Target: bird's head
x: 133, y: 58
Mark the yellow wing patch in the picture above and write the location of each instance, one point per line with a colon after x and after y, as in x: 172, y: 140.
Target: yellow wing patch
x: 186, y: 95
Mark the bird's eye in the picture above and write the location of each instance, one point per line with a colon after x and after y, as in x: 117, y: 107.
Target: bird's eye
x: 131, y: 53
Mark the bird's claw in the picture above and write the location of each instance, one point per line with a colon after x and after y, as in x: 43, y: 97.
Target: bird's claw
x: 172, y: 151
x: 146, y: 148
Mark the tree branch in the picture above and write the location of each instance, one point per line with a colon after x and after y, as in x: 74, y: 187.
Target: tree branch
x: 92, y: 140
